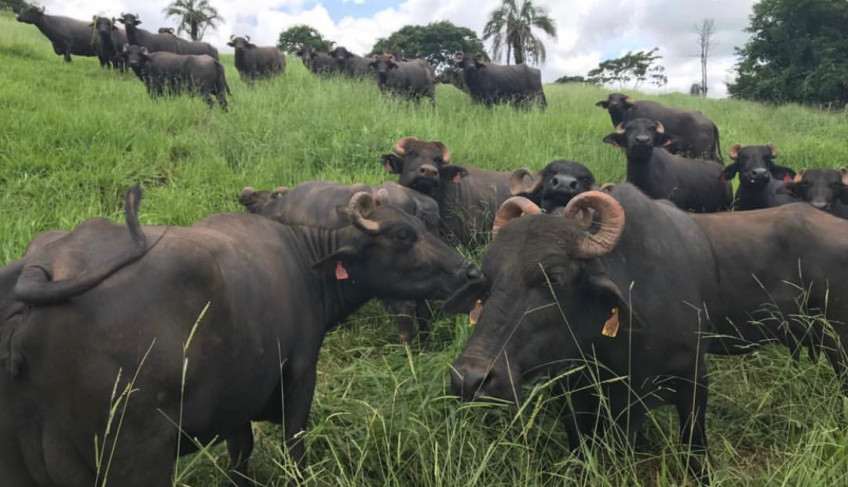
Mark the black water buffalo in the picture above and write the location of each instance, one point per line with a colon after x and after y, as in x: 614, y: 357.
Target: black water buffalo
x: 351, y: 64
x: 412, y: 79
x: 69, y: 36
x: 638, y: 295
x: 167, y: 30
x: 168, y: 73
x: 104, y: 317
x: 761, y: 181
x: 825, y: 189
x: 319, y: 63
x: 690, y: 133
x: 253, y: 62
x: 111, y: 41
x: 468, y: 197
x: 162, y: 42
x: 691, y: 184
x: 453, y: 76
x: 491, y: 84
x: 553, y: 186
x: 318, y: 200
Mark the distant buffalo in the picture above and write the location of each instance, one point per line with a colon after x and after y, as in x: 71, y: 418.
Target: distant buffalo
x: 761, y: 181
x: 162, y: 42
x: 167, y: 30
x: 825, y: 189
x: 491, y: 84
x: 69, y: 36
x: 691, y: 133
x: 169, y: 73
x: 453, y: 76
x: 319, y: 63
x: 253, y: 62
x: 554, y: 186
x: 111, y: 40
x: 411, y: 79
x: 351, y: 64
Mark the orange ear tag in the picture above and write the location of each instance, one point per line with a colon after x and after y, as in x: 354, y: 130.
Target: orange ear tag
x: 475, y: 313
x: 611, y: 326
x: 341, y: 272
x: 457, y: 178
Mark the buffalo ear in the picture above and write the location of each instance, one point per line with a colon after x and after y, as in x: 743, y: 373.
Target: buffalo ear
x: 465, y: 299
x: 345, y: 255
x: 790, y: 188
x: 452, y: 173
x: 610, y: 294
x: 729, y: 172
x: 603, y: 104
x: 614, y: 139
x: 734, y: 150
x: 392, y: 163
x: 662, y: 139
x: 231, y: 44
x: 783, y: 173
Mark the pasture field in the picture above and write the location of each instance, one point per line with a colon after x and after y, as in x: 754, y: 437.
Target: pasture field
x: 74, y: 137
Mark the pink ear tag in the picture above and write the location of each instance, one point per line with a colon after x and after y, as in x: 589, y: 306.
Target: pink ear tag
x: 341, y: 272
x: 389, y: 168
x: 457, y: 178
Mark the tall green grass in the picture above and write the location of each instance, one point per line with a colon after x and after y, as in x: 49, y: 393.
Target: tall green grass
x: 73, y: 137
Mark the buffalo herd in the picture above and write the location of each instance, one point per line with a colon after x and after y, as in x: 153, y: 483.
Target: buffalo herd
x: 618, y: 290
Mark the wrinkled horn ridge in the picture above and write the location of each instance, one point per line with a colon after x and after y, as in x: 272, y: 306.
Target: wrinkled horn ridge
x: 513, y: 208
x: 611, y: 218
x: 361, y: 205
x: 400, y: 145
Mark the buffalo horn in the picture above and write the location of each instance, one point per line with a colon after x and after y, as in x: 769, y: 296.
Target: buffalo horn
x: 445, y: 151
x: 247, y: 38
x: 513, y: 208
x: 279, y: 191
x: 619, y: 129
x: 734, y: 150
x: 518, y: 182
x: 611, y: 219
x: 772, y: 148
x: 232, y: 36
x: 361, y: 205
x: 400, y: 145
x: 247, y: 196
x: 660, y: 128
x: 800, y: 175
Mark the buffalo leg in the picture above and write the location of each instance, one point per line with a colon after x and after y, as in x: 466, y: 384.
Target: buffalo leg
x: 240, y: 447
x: 298, y: 390
x: 423, y: 316
x: 68, y: 54
x: 691, y: 410
x: 580, y: 414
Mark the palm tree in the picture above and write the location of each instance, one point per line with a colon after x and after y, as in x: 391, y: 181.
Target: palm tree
x: 195, y: 16
x: 511, y: 27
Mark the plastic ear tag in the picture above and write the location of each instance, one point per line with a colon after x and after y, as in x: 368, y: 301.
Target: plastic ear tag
x: 341, y: 272
x: 457, y: 178
x: 475, y: 313
x: 389, y: 168
x: 611, y: 326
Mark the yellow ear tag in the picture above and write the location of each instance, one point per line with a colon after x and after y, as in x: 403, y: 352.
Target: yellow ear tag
x: 475, y: 313
x: 611, y: 326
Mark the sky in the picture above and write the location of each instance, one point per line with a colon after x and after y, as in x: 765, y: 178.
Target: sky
x: 589, y: 31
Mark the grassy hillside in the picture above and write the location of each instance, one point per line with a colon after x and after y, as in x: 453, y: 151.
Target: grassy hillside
x: 73, y: 137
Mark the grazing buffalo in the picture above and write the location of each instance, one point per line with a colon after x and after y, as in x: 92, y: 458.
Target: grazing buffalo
x: 162, y: 42
x: 490, y: 84
x: 453, y: 76
x: 690, y: 133
x: 167, y: 30
x: 187, y: 333
x: 351, y: 64
x: 168, y: 73
x: 111, y: 41
x: 468, y: 197
x: 761, y: 181
x: 638, y: 295
x: 825, y: 189
x: 318, y: 200
x: 69, y: 36
x: 319, y: 63
x: 253, y: 62
x: 413, y: 79
x: 553, y: 186
x: 691, y: 184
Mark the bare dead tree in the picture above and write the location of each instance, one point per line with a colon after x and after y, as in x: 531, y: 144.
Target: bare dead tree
x: 705, y: 43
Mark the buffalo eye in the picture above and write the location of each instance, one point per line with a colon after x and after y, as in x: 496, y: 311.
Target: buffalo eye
x: 404, y: 237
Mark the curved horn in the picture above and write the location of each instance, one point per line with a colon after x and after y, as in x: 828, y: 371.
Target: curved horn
x: 798, y: 176
x: 660, y: 128
x: 360, y: 206
x: 279, y: 191
x: 513, y: 208
x: 232, y: 36
x: 381, y: 197
x: 247, y: 196
x: 772, y: 148
x: 734, y: 150
x: 611, y: 218
x: 400, y: 145
x: 518, y: 185
x: 445, y: 151
x: 247, y: 38
x: 619, y: 129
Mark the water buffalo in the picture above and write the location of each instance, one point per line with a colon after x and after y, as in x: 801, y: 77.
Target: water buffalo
x: 690, y: 133
x: 468, y: 197
x: 189, y: 333
x: 351, y: 64
x: 162, y: 42
x: 319, y: 63
x: 553, y: 186
x: 413, y: 79
x: 490, y: 84
x: 638, y: 294
x: 825, y: 189
x: 761, y: 181
x: 253, y: 62
x: 167, y: 30
x: 69, y: 36
x: 168, y: 73
x: 691, y: 184
x: 453, y: 76
x: 111, y: 41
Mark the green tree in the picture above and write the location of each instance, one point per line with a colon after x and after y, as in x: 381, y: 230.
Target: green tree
x: 573, y: 79
x: 635, y: 68
x: 798, y: 52
x: 16, y: 6
x: 195, y: 16
x: 303, y: 34
x: 511, y: 27
x: 436, y: 42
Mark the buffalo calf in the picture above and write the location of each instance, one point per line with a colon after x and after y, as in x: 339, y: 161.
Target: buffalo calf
x: 761, y: 181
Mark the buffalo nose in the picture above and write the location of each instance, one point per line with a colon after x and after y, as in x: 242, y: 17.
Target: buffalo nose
x: 472, y: 272
x: 466, y: 382
x: 760, y: 171
x: 643, y: 139
x: 821, y: 205
x: 564, y: 182
x: 428, y: 171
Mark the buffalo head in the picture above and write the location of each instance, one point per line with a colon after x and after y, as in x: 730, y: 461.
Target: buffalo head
x: 421, y: 165
x: 167, y: 30
x: 468, y: 62
x: 822, y: 188
x: 254, y: 201
x: 135, y: 56
x: 129, y: 19
x: 103, y: 25
x: 382, y: 64
x: 545, y: 297
x: 553, y: 186
x: 638, y: 138
x: 31, y: 15
x: 341, y: 54
x: 240, y: 42
x: 755, y: 165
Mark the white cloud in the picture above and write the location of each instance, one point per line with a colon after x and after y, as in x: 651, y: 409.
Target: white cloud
x: 589, y: 30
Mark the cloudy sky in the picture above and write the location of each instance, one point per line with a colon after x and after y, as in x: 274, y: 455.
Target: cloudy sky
x: 589, y: 30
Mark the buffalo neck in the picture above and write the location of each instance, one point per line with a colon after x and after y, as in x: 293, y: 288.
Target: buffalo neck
x: 642, y: 169
x: 618, y: 115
